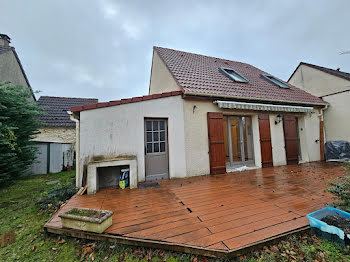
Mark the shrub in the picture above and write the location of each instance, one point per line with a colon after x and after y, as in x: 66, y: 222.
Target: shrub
x: 18, y: 124
x: 341, y: 190
x: 55, y: 197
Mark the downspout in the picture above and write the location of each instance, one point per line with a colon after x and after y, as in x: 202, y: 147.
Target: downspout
x: 77, y: 147
x: 322, y: 132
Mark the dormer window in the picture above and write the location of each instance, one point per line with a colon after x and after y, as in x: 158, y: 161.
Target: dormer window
x: 233, y: 75
x: 275, y: 81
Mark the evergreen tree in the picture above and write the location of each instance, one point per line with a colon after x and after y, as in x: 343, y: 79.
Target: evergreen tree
x: 18, y: 125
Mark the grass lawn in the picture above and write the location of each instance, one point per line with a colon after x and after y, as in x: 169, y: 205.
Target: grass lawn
x: 19, y: 212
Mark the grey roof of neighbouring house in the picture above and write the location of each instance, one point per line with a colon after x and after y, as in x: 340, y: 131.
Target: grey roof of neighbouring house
x: 55, y: 109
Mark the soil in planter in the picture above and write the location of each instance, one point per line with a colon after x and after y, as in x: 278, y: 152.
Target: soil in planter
x: 86, y: 213
x: 338, y: 221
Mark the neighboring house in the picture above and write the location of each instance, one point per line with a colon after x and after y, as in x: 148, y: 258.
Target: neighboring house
x: 56, y: 140
x: 203, y: 115
x: 333, y: 86
x: 11, y: 69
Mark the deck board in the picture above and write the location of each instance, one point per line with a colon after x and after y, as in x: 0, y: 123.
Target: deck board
x: 220, y: 213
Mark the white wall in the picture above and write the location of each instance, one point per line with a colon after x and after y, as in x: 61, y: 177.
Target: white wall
x: 277, y: 141
x: 336, y: 117
x: 318, y: 83
x: 309, y: 133
x: 119, y: 130
x: 196, y: 134
x: 256, y: 140
x: 161, y: 79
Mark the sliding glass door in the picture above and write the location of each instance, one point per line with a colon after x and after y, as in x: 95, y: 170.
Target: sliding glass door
x: 238, y: 140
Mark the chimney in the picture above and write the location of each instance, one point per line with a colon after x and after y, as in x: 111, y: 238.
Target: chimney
x: 5, y: 40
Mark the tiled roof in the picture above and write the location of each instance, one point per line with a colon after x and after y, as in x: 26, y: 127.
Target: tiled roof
x: 200, y: 75
x: 125, y: 101
x: 55, y: 109
x: 334, y: 72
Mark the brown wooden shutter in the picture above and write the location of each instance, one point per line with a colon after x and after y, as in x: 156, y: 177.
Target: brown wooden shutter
x: 291, y: 139
x: 265, y: 140
x: 216, y: 143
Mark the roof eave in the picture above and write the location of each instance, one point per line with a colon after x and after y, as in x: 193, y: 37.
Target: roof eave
x: 23, y: 72
x: 295, y: 70
x: 319, y: 69
x: 188, y: 93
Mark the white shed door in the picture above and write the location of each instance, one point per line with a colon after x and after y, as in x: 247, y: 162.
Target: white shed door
x: 156, y: 149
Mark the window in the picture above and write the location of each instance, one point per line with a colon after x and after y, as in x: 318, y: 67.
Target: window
x: 155, y: 136
x: 233, y: 75
x: 275, y: 81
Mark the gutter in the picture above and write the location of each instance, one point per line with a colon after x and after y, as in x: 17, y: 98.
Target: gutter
x: 250, y: 99
x: 75, y: 119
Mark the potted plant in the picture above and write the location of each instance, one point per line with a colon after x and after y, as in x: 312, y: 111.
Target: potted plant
x: 87, y: 219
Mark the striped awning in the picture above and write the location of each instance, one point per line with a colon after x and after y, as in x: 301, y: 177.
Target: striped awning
x: 262, y: 107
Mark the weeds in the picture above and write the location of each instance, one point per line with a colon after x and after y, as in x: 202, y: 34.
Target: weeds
x: 341, y: 191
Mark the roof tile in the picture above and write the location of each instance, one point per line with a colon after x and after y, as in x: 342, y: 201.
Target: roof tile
x: 55, y: 109
x: 126, y: 101
x: 200, y: 74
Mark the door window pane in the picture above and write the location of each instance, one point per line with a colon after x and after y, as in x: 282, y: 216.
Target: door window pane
x: 162, y: 147
x: 155, y: 136
x: 161, y: 125
x: 149, y: 147
x: 155, y: 125
x: 162, y: 136
x: 149, y: 125
x: 149, y: 136
x: 156, y: 147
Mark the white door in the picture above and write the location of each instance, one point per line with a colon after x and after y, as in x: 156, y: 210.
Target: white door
x: 156, y: 149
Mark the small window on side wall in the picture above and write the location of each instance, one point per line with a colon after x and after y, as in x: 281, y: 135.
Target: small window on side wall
x: 233, y: 75
x: 275, y: 81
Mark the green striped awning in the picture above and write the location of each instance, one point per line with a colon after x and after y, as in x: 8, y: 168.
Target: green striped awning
x: 263, y: 107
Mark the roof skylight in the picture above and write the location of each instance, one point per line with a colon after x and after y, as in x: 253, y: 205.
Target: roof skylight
x: 275, y: 81
x: 233, y: 75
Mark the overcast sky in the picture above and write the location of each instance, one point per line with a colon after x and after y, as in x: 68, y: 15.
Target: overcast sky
x: 103, y: 48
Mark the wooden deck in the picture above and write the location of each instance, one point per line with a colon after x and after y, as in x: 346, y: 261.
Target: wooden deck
x: 211, y: 215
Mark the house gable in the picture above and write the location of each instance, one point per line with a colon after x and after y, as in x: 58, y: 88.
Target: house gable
x: 10, y: 70
x: 161, y: 80
x: 318, y: 82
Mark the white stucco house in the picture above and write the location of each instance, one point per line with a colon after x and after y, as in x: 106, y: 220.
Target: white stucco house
x: 203, y: 115
x: 333, y: 86
x: 56, y: 139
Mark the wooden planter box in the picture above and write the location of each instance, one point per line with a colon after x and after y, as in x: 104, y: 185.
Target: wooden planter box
x: 98, y: 222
